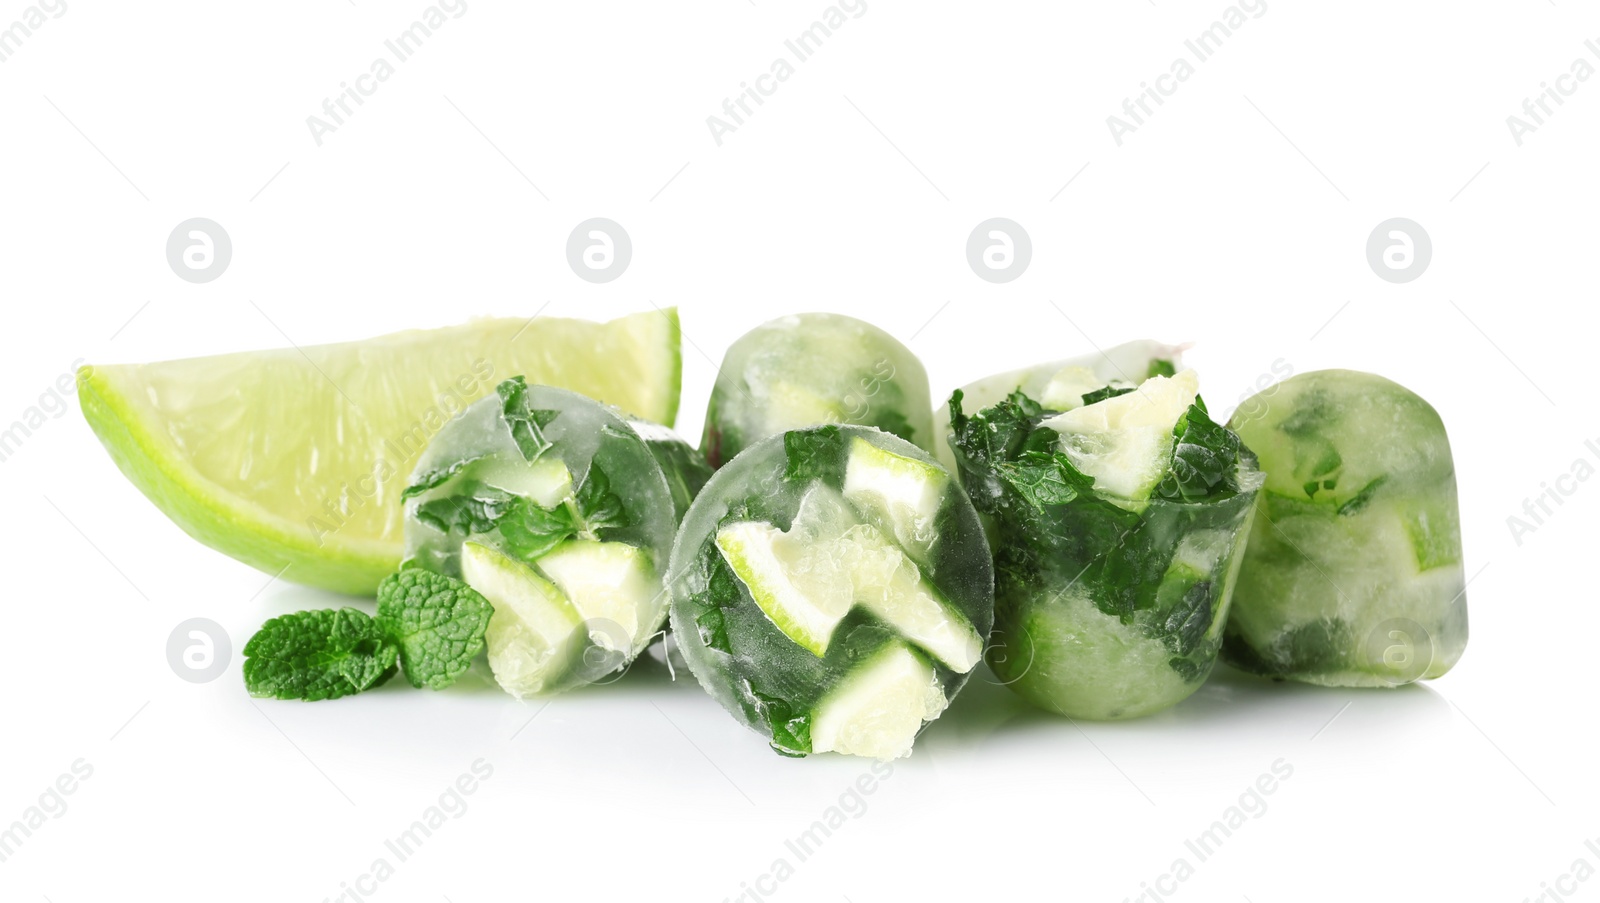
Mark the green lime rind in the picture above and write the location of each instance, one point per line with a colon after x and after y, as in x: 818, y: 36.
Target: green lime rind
x: 634, y: 362
x: 203, y: 509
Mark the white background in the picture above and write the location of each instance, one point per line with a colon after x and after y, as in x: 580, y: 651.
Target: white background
x: 1235, y: 218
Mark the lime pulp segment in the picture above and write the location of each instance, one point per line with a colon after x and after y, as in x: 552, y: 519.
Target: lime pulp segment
x: 293, y: 460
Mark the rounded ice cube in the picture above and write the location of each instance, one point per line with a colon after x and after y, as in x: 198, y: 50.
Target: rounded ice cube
x: 1117, y: 528
x: 832, y: 589
x: 1353, y: 575
x: 811, y: 369
x: 561, y: 511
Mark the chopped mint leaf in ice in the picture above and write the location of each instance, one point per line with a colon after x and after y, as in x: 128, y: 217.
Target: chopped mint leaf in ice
x: 436, y: 477
x: 530, y: 531
x: 791, y: 729
x: 475, y: 508
x: 1102, y: 394
x: 526, y: 422
x: 1205, y: 458
x: 599, y: 507
x: 812, y: 453
x: 1044, y: 478
x: 722, y: 589
x: 992, y: 436
x: 1360, y: 499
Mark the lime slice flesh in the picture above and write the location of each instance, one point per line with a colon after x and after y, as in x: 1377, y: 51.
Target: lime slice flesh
x: 877, y: 709
x: 609, y: 583
x: 534, y: 635
x: 292, y: 460
x: 899, y: 494
x: 806, y: 611
x: 806, y: 580
x: 1125, y: 442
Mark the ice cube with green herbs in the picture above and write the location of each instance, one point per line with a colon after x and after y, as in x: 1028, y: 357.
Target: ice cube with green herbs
x: 1353, y: 575
x: 561, y: 512
x: 832, y: 590
x: 1060, y: 385
x: 810, y: 369
x: 1117, y: 515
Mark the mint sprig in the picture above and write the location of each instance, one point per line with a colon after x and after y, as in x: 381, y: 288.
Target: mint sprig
x: 314, y: 655
x: 437, y: 621
x: 430, y: 625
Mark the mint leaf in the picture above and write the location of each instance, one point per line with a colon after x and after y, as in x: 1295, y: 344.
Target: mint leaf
x: 1205, y: 458
x: 1043, y: 478
x: 713, y: 630
x: 1025, y: 405
x: 1188, y: 620
x: 475, y: 508
x: 791, y: 727
x: 598, y: 506
x: 530, y: 531
x: 437, y: 621
x: 527, y: 423
x: 812, y: 453
x: 722, y: 589
x: 1105, y: 392
x: 314, y: 655
x: 989, y: 439
x: 436, y: 477
x: 1360, y: 499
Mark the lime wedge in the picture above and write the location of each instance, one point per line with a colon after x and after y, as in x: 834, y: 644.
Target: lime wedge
x: 806, y: 580
x: 877, y: 709
x: 609, y: 583
x: 535, y: 636
x: 900, y: 495
x: 891, y: 587
x: 805, y: 603
x: 292, y: 460
x: 1125, y: 442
